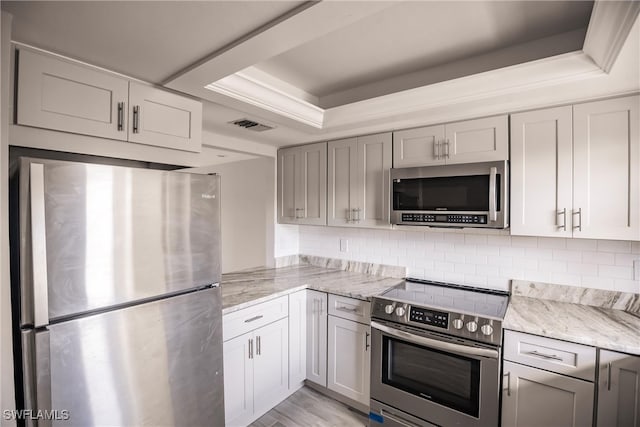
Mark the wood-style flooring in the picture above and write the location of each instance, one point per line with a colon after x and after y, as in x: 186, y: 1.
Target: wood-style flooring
x: 307, y: 407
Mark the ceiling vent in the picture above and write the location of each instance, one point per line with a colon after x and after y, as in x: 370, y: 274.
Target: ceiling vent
x: 251, y: 125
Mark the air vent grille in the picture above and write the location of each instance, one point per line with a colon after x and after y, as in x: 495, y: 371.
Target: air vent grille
x: 251, y: 125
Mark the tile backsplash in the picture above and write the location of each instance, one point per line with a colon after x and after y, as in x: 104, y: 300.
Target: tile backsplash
x: 480, y: 258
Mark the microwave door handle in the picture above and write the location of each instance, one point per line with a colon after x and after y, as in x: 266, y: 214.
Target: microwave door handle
x: 493, y: 214
x: 434, y: 343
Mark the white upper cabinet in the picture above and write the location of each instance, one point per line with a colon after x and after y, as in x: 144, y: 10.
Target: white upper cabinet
x: 418, y: 147
x: 541, y: 172
x: 479, y: 140
x: 606, y: 162
x: 164, y: 119
x: 358, y: 175
x: 302, y: 184
x: 61, y: 95
x: 575, y: 171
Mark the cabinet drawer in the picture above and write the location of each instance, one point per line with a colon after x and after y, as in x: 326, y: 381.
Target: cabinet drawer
x: 562, y: 357
x: 245, y: 320
x: 350, y: 308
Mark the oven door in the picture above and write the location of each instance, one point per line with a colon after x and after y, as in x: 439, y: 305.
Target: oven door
x: 442, y: 380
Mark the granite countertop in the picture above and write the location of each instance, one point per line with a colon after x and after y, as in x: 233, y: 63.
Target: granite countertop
x: 248, y: 287
x: 605, y: 319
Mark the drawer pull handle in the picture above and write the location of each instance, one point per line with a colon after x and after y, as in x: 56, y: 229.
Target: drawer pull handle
x: 609, y: 376
x: 544, y: 356
x: 348, y: 310
x: 254, y: 318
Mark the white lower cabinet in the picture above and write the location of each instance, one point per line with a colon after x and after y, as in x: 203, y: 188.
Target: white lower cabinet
x: 256, y: 372
x: 618, y: 390
x: 534, y: 397
x: 317, y: 337
x: 297, y: 339
x: 349, y: 359
x: 546, y: 382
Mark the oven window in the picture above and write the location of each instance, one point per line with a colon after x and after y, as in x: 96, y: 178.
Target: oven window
x: 448, y: 379
x: 452, y: 193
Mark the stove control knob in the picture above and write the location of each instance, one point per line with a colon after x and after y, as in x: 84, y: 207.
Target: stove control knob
x: 458, y: 323
x: 389, y: 308
x: 486, y: 329
x: 472, y: 326
x: 400, y: 311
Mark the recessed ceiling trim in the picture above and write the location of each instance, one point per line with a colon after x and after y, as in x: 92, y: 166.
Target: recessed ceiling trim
x: 609, y: 27
x: 247, y: 89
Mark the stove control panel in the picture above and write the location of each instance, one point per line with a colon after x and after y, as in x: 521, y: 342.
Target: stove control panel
x: 429, y: 317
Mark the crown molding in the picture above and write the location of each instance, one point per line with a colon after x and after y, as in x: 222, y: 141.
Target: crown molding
x: 609, y: 27
x: 242, y: 87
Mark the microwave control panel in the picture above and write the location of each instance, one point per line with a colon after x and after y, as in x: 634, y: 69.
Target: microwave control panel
x: 429, y: 317
x: 445, y: 218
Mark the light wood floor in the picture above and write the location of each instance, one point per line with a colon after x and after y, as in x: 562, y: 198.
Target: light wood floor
x: 307, y: 407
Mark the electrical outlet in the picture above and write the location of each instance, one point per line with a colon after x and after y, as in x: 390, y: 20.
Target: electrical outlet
x: 344, y: 245
x: 636, y: 269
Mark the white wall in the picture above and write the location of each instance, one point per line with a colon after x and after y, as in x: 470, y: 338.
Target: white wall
x: 6, y: 358
x: 248, y: 213
x: 487, y: 259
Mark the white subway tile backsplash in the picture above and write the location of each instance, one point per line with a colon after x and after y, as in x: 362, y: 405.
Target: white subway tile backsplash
x: 614, y: 246
x: 616, y: 272
x: 582, y: 244
x: 582, y: 269
x: 552, y: 242
x: 599, y: 258
x: 475, y: 258
x: 566, y: 255
x: 524, y: 242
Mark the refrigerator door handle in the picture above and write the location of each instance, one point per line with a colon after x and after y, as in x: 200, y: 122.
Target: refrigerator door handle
x: 37, y: 374
x: 38, y: 246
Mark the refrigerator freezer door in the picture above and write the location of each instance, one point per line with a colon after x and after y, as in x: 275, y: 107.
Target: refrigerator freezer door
x: 154, y: 364
x: 117, y: 235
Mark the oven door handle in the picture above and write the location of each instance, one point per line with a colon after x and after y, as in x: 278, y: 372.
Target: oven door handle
x: 441, y: 345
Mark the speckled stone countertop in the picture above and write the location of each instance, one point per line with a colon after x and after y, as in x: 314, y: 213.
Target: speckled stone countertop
x: 605, y: 319
x: 248, y: 287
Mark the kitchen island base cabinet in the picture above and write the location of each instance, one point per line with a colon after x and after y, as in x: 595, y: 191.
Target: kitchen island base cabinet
x: 349, y: 362
x: 256, y: 372
x: 618, y: 390
x: 534, y: 397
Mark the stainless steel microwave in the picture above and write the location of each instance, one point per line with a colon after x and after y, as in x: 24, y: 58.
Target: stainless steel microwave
x: 464, y: 195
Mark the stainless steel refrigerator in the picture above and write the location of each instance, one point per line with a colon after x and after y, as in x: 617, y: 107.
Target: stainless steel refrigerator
x: 117, y: 304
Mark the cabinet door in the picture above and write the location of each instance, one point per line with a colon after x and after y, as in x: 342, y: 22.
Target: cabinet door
x: 607, y: 169
x: 289, y: 177
x: 270, y: 366
x: 342, y: 184
x: 480, y: 140
x: 297, y: 338
x: 533, y: 397
x: 418, y: 147
x: 541, y: 173
x: 349, y: 359
x: 374, y: 162
x: 618, y: 390
x: 311, y: 191
x: 69, y: 97
x: 164, y: 119
x: 238, y: 380
x: 317, y: 337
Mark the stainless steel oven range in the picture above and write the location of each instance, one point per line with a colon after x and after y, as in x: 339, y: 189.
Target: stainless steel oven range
x: 435, y: 356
